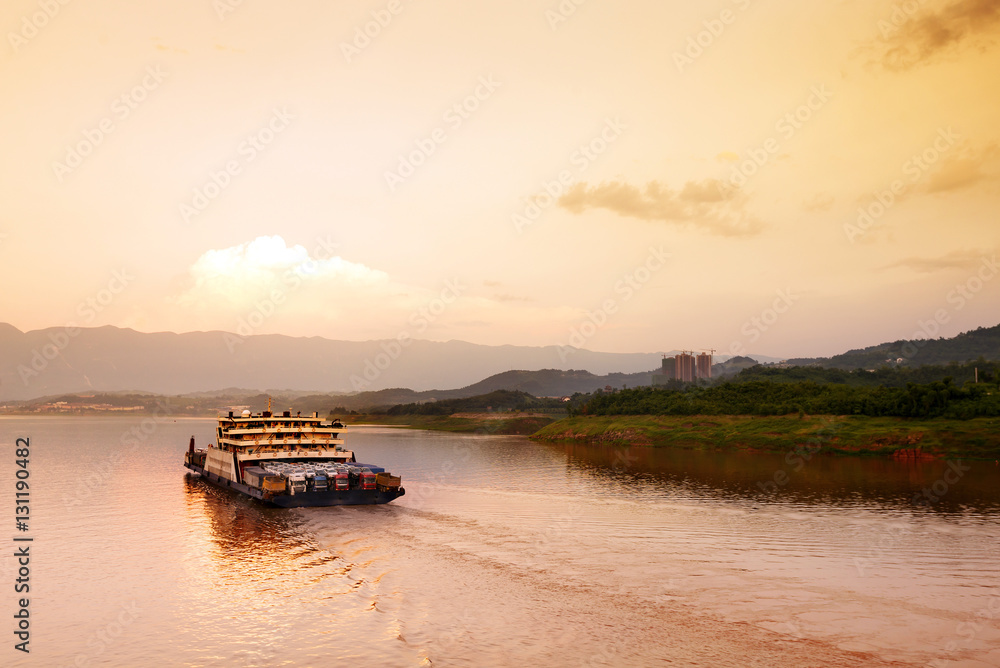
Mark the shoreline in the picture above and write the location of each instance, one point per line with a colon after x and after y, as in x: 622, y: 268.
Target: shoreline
x: 887, y: 437
x: 898, y: 438
x: 500, y: 424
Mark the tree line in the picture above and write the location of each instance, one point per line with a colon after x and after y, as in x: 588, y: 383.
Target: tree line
x: 498, y: 401
x: 767, y: 397
x: 889, y: 376
x: 983, y: 341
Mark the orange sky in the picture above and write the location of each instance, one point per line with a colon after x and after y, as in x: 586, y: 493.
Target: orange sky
x: 781, y: 178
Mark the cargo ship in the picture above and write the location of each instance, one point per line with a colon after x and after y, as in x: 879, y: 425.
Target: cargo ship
x: 289, y: 461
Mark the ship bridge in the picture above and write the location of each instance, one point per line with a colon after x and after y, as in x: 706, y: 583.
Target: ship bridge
x: 266, y: 433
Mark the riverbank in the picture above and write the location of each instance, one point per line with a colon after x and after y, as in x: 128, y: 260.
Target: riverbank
x: 521, y: 424
x: 850, y: 435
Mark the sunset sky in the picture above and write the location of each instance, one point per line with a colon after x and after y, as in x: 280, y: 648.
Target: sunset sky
x: 782, y: 178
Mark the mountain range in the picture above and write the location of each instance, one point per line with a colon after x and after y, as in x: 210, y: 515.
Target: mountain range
x: 55, y: 361
x: 106, y: 359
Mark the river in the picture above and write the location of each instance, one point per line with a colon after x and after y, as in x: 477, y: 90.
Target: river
x: 503, y: 552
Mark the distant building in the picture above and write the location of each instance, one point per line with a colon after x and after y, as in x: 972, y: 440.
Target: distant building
x: 704, y: 366
x: 685, y: 367
x: 667, y: 372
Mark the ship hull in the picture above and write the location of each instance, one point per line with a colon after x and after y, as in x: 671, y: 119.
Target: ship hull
x: 350, y: 497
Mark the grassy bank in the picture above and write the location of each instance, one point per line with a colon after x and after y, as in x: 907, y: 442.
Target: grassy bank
x: 485, y: 423
x: 977, y: 438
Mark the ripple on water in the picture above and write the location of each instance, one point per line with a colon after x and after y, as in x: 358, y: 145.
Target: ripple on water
x: 507, y: 552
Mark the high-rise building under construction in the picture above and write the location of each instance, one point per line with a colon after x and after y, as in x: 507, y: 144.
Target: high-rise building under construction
x: 704, y: 366
x: 685, y: 367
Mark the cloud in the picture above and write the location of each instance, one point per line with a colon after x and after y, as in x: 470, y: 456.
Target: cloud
x: 910, y: 41
x: 241, y: 274
x: 511, y: 298
x: 819, y: 202
x: 954, y: 260
x: 712, y: 205
x: 164, y: 47
x: 964, y: 169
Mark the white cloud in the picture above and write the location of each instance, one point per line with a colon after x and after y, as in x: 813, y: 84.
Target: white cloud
x: 266, y: 286
x: 240, y: 274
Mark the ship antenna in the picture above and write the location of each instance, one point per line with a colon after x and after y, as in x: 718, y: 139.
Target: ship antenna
x: 269, y: 404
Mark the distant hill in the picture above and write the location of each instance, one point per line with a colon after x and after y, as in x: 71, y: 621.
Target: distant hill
x: 983, y: 342
x: 51, y: 362
x: 496, y: 401
x: 106, y: 359
x: 555, y: 382
x: 733, y: 366
x: 543, y: 383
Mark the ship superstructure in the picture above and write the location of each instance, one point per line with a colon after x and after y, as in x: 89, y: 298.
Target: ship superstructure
x: 290, y: 461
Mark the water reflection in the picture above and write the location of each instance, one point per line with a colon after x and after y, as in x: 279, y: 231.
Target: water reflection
x: 250, y: 542
x: 241, y: 530
x: 959, y: 486
x: 509, y: 552
x: 262, y: 580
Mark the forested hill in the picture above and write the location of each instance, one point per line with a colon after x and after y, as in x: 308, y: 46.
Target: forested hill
x: 983, y: 342
x: 497, y: 401
x: 894, y: 376
x: 937, y: 399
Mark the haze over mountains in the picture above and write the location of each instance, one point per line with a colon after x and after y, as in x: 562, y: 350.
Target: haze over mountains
x: 109, y: 359
x: 50, y: 361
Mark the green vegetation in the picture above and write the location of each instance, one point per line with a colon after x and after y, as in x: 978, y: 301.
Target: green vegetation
x: 766, y: 397
x: 782, y: 409
x: 500, y: 400
x: 499, y: 412
x: 978, y: 438
x: 981, y: 342
x: 504, y: 423
x: 889, y: 376
x: 862, y: 402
